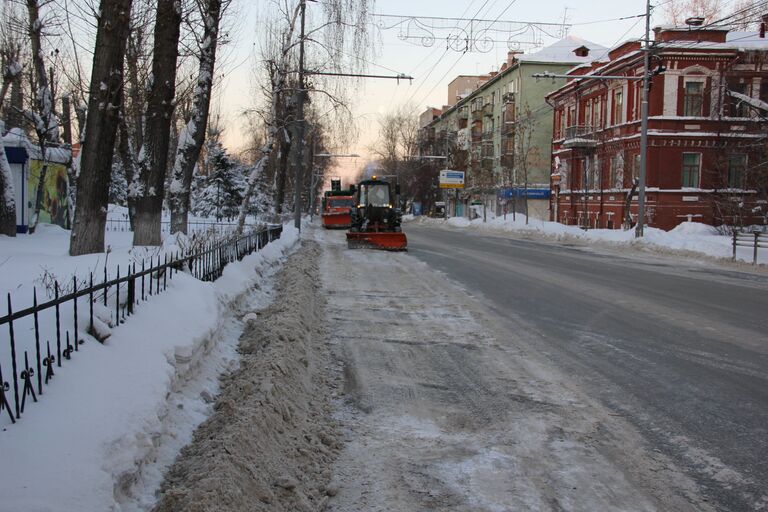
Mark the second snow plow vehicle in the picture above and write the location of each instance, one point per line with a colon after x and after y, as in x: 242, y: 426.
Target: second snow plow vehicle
x: 336, y: 207
x: 375, y: 218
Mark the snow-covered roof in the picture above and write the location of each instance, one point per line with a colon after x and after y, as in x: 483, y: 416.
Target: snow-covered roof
x: 734, y: 40
x: 17, y: 138
x: 562, y: 52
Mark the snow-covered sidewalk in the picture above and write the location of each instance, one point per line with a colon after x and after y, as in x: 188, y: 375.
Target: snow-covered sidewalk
x: 690, y: 237
x: 119, y: 412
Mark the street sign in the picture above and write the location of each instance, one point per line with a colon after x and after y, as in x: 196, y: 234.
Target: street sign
x: 451, y: 179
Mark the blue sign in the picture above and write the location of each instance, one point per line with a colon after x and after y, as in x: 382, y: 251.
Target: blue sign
x: 416, y: 208
x: 533, y: 193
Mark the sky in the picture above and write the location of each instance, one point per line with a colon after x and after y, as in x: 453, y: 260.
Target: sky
x: 400, y: 50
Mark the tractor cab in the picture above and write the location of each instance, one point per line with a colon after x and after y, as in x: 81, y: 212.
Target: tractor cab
x: 375, y: 218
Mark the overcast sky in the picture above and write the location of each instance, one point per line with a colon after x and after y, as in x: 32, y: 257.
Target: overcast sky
x: 431, y: 66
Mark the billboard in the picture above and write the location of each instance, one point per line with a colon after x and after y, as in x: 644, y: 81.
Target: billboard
x: 451, y: 179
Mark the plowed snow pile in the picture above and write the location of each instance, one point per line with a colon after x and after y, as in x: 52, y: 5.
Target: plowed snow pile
x: 269, y: 441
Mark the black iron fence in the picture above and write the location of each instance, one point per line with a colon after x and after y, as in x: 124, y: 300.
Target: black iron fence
x: 755, y: 239
x: 193, y: 226
x: 50, y: 333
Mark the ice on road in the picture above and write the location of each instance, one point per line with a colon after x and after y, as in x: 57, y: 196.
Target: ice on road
x: 444, y: 409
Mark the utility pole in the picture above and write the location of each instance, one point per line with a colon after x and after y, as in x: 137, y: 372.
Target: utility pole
x: 644, y: 124
x: 299, y: 132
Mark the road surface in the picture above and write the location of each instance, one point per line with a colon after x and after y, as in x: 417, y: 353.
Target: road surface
x: 678, y: 349
x: 490, y: 374
x: 486, y: 373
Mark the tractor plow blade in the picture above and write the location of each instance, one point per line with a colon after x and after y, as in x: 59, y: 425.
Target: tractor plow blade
x: 385, y: 240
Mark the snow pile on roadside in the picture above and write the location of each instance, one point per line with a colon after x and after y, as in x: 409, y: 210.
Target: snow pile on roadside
x: 268, y: 444
x: 688, y: 236
x: 84, y: 445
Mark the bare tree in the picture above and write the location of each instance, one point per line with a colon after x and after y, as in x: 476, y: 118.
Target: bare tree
x: 526, y: 153
x: 105, y: 96
x: 677, y: 11
x: 42, y: 116
x: 147, y: 188
x: 193, y: 134
x: 336, y: 40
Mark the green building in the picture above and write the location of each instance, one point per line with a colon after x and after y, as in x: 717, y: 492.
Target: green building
x: 500, y: 133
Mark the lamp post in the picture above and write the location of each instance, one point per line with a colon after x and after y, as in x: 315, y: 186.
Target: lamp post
x: 316, y: 176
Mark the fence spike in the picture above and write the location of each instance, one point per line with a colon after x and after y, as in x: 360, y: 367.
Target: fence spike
x: 13, y: 359
x: 74, y: 302
x: 58, y: 322
x: 37, y: 342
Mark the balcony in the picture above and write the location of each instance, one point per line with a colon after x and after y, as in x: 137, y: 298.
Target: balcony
x: 463, y: 113
x: 477, y: 115
x: 508, y: 97
x: 579, y: 136
x: 477, y: 135
x: 488, y: 110
x: 487, y: 136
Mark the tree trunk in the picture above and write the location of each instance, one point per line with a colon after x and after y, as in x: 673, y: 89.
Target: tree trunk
x: 7, y: 195
x: 14, y: 117
x: 282, y: 172
x: 127, y: 155
x: 43, y: 103
x: 148, y: 189
x: 66, y: 121
x: 100, y: 129
x: 193, y: 134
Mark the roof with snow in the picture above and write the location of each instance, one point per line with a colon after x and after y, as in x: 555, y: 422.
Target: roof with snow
x: 563, y: 52
x: 17, y: 138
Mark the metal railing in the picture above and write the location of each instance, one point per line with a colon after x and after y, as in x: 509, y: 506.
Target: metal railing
x: 580, y: 132
x: 193, y: 226
x: 118, y: 295
x: 754, y: 239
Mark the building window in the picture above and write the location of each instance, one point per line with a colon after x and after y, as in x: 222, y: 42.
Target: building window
x: 636, y: 168
x: 691, y: 166
x: 618, y: 107
x: 693, y: 101
x: 737, y: 165
x: 738, y: 107
x: 616, y: 176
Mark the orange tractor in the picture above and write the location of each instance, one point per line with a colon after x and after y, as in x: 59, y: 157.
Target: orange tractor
x: 337, y: 206
x: 375, y: 217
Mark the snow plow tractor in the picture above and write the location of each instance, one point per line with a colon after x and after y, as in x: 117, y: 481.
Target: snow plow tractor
x: 375, y: 218
x: 336, y: 206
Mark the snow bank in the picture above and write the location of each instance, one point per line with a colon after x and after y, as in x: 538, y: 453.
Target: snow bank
x: 84, y: 445
x: 688, y: 236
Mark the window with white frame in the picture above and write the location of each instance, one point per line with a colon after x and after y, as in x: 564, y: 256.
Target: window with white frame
x: 693, y: 98
x: 618, y: 107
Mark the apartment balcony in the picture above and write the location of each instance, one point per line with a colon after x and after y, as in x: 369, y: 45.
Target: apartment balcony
x: 488, y: 110
x: 487, y: 164
x: 477, y: 115
x: 508, y: 160
x: 477, y: 135
x: 579, y: 136
x: 463, y: 113
x: 487, y: 136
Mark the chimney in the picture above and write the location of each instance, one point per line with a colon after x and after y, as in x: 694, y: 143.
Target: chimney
x: 511, y: 56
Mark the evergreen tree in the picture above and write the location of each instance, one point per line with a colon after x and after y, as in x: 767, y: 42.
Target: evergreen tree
x: 220, y: 193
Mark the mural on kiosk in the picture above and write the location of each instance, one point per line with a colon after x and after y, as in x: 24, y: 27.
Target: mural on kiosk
x: 54, y: 208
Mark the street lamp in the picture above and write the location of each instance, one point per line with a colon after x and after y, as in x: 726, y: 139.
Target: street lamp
x: 316, y: 176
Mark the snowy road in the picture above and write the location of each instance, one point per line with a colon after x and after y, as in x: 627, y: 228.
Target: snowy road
x: 680, y: 350
x: 450, y: 405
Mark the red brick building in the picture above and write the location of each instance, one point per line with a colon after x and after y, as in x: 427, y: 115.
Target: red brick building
x: 707, y: 133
